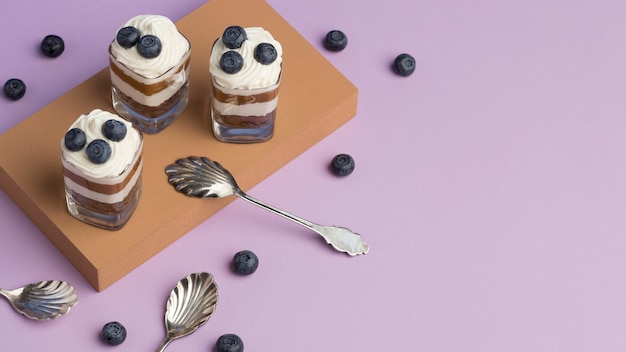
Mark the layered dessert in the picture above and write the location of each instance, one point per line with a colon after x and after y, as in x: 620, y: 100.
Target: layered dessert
x: 102, y: 162
x: 246, y: 67
x: 149, y: 64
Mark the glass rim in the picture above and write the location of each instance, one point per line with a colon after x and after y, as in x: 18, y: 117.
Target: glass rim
x: 270, y: 87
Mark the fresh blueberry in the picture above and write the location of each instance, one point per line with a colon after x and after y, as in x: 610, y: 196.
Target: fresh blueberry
x: 127, y: 37
x: 335, y: 40
x: 404, y: 65
x: 149, y: 46
x: 52, y: 45
x: 98, y: 151
x: 114, y: 130
x: 265, y: 53
x: 75, y: 139
x: 234, y: 36
x: 229, y: 343
x: 342, y: 165
x: 14, y: 89
x: 113, y: 333
x: 231, y: 62
x: 245, y: 262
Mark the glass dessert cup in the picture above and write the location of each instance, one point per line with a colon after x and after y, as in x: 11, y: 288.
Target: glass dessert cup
x: 108, y: 212
x: 150, y: 104
x: 243, y: 115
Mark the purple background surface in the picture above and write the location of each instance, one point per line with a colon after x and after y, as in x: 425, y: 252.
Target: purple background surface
x: 490, y: 186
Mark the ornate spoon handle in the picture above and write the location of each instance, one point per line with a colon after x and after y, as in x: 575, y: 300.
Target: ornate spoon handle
x: 340, y: 238
x: 164, y: 344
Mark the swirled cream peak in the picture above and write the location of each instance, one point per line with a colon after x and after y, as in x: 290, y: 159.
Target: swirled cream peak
x: 123, y: 153
x: 173, y: 46
x: 253, y: 74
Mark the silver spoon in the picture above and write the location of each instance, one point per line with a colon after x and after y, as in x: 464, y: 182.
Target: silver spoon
x: 43, y: 300
x: 190, y: 306
x: 201, y: 177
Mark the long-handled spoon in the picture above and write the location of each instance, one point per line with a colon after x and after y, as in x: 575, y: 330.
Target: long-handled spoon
x: 190, y: 305
x: 43, y: 300
x: 201, y: 177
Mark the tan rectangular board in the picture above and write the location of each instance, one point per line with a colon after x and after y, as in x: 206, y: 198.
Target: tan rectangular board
x: 315, y: 100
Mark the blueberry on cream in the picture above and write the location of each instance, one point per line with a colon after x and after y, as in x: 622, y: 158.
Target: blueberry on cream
x: 234, y: 36
x: 149, y: 46
x: 265, y: 53
x: 114, y: 130
x: 75, y: 139
x: 231, y: 62
x: 128, y: 36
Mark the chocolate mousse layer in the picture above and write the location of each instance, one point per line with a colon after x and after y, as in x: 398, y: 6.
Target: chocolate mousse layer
x: 99, y: 187
x: 236, y: 121
x: 146, y: 89
x: 240, y: 99
x: 106, y: 208
x: 151, y: 111
x: 240, y: 121
x: 107, y: 189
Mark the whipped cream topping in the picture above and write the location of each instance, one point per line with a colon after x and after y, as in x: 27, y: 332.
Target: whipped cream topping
x: 123, y: 153
x: 253, y: 74
x: 174, y: 46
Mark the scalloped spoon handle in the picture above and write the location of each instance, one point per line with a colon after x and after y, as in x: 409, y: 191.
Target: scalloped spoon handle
x: 164, y: 344
x: 340, y: 238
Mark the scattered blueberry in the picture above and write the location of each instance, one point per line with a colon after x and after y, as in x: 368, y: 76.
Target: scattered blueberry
x: 75, y: 139
x: 245, y: 262
x: 114, y: 130
x: 231, y: 62
x: 52, y: 45
x: 234, y: 36
x: 342, y: 165
x: 14, y: 89
x: 127, y: 37
x: 335, y: 40
x: 149, y: 46
x: 404, y: 65
x: 229, y: 343
x: 98, y: 151
x: 113, y: 333
x: 265, y: 53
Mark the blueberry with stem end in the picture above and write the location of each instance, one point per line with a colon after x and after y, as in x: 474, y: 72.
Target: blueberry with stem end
x: 234, y: 36
x: 52, y: 45
x: 127, y: 37
x: 14, y: 89
x: 114, y: 130
x: 75, y: 139
x: 335, y: 40
x: 245, y: 262
x: 229, y: 343
x: 342, y: 165
x: 265, y: 53
x: 98, y: 151
x: 149, y: 46
x: 404, y: 65
x: 231, y: 62
x: 113, y: 333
